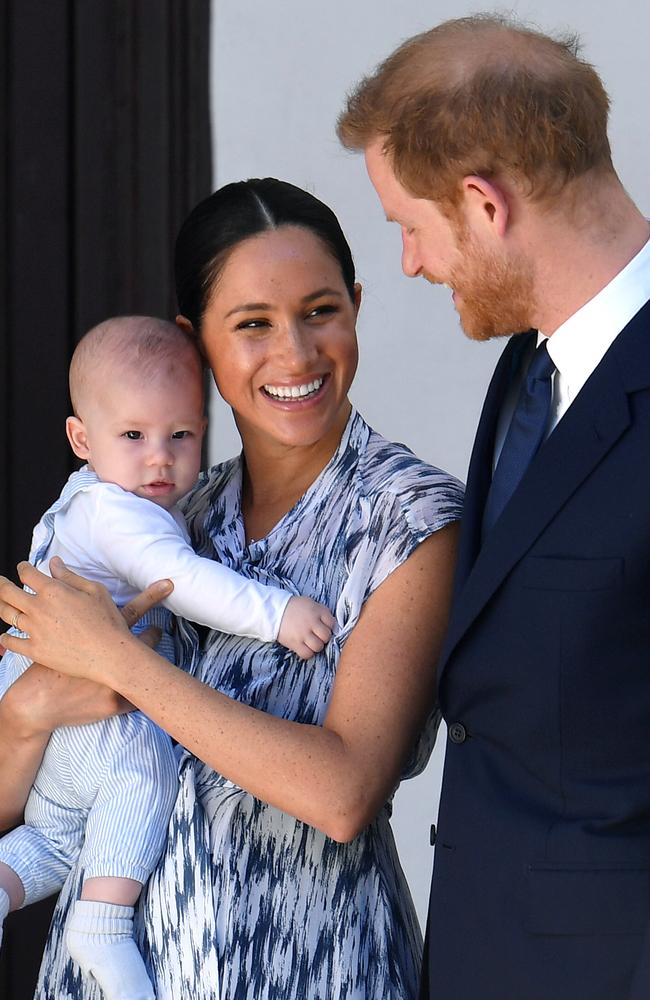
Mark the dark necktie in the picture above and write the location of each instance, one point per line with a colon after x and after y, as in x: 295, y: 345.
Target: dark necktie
x: 524, y: 437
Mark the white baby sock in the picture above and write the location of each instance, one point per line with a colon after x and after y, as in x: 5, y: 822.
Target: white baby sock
x: 4, y: 909
x: 100, y: 940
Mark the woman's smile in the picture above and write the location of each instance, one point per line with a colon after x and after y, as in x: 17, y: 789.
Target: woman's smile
x: 296, y: 393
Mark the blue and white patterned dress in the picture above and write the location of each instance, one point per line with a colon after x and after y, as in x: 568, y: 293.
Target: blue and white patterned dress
x: 247, y: 902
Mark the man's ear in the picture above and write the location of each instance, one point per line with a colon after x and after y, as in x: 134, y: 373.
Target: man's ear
x: 486, y: 204
x: 76, y: 431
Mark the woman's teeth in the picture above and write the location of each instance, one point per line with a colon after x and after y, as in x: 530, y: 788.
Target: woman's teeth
x: 294, y: 391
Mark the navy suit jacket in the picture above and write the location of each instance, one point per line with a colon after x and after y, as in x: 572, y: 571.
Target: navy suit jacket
x: 541, y: 887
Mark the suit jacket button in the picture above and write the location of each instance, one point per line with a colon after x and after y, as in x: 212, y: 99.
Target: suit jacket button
x: 432, y: 834
x: 457, y: 732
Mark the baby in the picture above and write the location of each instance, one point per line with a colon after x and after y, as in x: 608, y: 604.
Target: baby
x: 137, y: 392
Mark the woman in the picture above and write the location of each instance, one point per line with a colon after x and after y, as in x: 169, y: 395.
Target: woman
x: 280, y: 878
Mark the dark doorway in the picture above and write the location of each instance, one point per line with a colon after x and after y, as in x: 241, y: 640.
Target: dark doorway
x: 104, y: 109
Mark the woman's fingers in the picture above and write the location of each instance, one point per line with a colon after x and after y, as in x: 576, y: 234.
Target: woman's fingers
x: 57, y: 615
x: 150, y: 636
x: 60, y: 571
x: 154, y: 594
x: 13, y: 599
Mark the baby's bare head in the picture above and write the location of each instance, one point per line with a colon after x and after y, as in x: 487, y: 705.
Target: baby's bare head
x: 133, y: 348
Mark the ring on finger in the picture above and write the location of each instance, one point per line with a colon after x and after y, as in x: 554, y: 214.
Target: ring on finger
x: 14, y: 620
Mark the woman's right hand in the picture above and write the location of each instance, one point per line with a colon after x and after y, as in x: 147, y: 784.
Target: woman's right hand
x: 42, y: 700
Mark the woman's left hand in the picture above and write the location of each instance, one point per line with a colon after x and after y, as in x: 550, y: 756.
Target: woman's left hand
x: 72, y: 624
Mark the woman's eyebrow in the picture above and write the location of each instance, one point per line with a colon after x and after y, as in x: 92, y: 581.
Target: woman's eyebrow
x: 249, y: 307
x: 260, y: 306
x: 322, y: 291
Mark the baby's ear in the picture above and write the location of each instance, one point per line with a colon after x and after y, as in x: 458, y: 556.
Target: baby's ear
x: 76, y: 431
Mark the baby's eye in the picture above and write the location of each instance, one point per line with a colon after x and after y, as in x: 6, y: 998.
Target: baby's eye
x: 133, y: 435
x: 179, y: 435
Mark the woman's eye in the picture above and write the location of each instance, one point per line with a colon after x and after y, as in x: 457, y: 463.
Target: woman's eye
x: 324, y: 310
x: 252, y: 324
x: 133, y: 435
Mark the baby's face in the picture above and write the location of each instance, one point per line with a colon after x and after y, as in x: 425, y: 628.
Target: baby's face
x: 147, y: 437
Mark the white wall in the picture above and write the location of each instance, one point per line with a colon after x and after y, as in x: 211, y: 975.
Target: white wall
x: 280, y: 71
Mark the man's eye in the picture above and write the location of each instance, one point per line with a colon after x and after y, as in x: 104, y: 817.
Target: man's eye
x: 133, y: 435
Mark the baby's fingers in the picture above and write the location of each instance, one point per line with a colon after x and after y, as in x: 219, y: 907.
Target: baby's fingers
x: 328, y: 619
x: 314, y: 643
x: 322, y: 631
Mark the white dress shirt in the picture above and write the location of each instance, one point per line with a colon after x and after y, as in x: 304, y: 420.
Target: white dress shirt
x: 578, y: 346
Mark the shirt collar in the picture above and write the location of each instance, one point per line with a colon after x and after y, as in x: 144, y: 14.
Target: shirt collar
x: 580, y: 343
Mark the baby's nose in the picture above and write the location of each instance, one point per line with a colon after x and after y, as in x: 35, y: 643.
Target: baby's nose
x: 161, y: 455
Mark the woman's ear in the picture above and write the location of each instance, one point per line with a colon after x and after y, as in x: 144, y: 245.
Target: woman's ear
x: 76, y: 431
x: 357, y: 297
x: 186, y: 326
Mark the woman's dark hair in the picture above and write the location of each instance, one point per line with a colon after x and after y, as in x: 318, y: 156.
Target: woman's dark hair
x: 236, y: 212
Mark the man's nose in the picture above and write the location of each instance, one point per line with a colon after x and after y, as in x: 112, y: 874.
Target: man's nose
x: 411, y: 265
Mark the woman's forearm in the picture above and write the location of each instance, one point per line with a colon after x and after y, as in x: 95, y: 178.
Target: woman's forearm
x: 21, y: 752
x: 292, y: 766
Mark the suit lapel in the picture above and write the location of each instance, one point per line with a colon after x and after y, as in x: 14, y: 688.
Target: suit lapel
x: 479, y: 474
x: 584, y: 436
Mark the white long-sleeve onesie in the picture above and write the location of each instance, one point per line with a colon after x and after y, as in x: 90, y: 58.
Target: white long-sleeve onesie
x: 107, y: 789
x: 127, y: 542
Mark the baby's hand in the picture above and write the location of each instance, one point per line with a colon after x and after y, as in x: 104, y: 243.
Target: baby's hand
x: 305, y: 627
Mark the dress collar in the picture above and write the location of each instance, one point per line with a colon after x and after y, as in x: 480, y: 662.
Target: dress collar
x: 352, y: 443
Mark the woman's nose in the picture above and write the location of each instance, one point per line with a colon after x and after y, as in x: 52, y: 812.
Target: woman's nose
x: 297, y: 345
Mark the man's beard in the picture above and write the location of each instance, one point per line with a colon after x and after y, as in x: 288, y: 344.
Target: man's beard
x: 493, y: 295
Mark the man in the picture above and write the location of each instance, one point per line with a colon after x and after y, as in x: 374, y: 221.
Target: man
x: 487, y: 143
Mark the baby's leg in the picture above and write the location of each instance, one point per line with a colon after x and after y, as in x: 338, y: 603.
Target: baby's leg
x: 12, y: 893
x: 35, y: 859
x: 125, y: 834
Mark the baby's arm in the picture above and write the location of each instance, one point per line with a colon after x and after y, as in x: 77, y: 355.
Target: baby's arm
x: 142, y: 542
